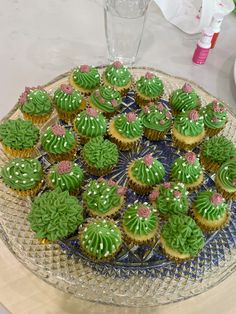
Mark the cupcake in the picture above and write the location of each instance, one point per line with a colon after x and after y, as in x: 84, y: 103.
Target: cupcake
x: 24, y: 176
x: 85, y: 79
x: 140, y: 223
x: 118, y: 76
x: 170, y: 198
x: 35, y: 104
x: 106, y: 100
x: 59, y: 143
x: 55, y: 215
x: 148, y: 88
x: 68, y: 102
x: 210, y: 210
x: 156, y: 120
x: 19, y: 137
x: 66, y: 175
x: 104, y: 198
x: 184, y: 99
x: 181, y: 238
x: 188, y: 130
x: 215, y: 151
x: 100, y: 239
x: 100, y: 156
x: 90, y: 123
x: 125, y: 130
x: 144, y: 173
x: 214, y: 117
x: 188, y: 170
x: 225, y: 179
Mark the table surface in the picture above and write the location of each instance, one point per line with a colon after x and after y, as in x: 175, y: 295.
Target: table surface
x: 42, y: 39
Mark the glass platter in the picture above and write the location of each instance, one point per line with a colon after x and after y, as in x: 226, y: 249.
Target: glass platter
x: 139, y: 275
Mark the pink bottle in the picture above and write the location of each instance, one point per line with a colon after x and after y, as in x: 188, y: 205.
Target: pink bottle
x: 203, y: 46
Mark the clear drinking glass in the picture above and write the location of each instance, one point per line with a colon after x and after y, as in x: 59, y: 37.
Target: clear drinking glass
x: 124, y: 23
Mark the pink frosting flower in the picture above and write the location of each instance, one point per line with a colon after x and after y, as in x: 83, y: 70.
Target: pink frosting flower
x: 214, y: 101
x: 168, y: 115
x: 66, y: 88
x: 58, y: 130
x: 149, y: 75
x: 114, y: 103
x: 148, y: 160
x: 146, y: 109
x: 100, y: 180
x: 117, y: 64
x: 153, y: 196
x: 190, y: 157
x: 193, y: 115
x: 64, y: 166
x: 162, y: 121
x: 234, y: 181
x: 160, y: 107
x: 177, y: 194
x: 214, y: 120
x: 187, y: 88
x: 122, y: 190
x: 102, y: 100
x: 92, y: 112
x: 143, y: 212
x: 111, y: 182
x: 97, y: 93
x: 167, y: 185
x: 216, y: 199
x: 131, y: 116
x: 216, y: 107
x: 84, y: 68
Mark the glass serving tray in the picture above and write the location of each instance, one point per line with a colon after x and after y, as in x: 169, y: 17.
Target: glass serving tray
x: 138, y: 275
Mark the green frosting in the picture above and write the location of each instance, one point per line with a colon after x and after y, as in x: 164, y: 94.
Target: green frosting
x: 100, y: 153
x: 90, y: 126
x: 106, y: 99
x: 209, y: 209
x: 66, y: 175
x: 182, y: 234
x: 186, y: 172
x: 128, y: 129
x: 37, y: 102
x: 58, y: 144
x: 148, y: 174
x: 19, y: 134
x: 227, y: 175
x: 172, y: 199
x: 215, y: 115
x: 218, y: 149
x: 101, y: 197
x: 188, y: 127
x: 67, y: 102
x: 55, y: 215
x: 140, y: 219
x: 150, y: 87
x: 22, y: 173
x: 101, y: 238
x: 117, y: 76
x: 87, y: 80
x: 184, y: 101
x: 156, y: 118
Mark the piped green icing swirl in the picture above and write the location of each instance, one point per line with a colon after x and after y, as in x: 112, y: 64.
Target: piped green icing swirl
x: 19, y: 134
x: 90, y: 126
x: 218, y: 149
x: 182, y: 234
x: 182, y: 101
x: 67, y: 102
x: 55, y: 215
x: 215, y: 115
x: 128, y: 129
x: 227, y: 175
x: 117, y: 76
x: 87, y: 80
x: 100, y: 153
x: 101, y: 238
x: 38, y: 102
x: 184, y: 125
x: 152, y: 87
x: 207, y: 209
x: 138, y: 225
x: 106, y: 99
x: 100, y: 197
x: 22, y: 173
x: 155, y: 119
x: 185, y: 172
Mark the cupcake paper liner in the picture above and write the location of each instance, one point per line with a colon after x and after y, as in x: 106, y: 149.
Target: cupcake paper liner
x: 23, y: 153
x: 132, y: 240
x: 70, y: 116
x: 40, y: 119
x: 142, y: 100
x: 31, y: 192
x: 175, y: 258
x: 183, y: 145
x: 139, y: 188
x: 209, y: 165
x: 83, y: 91
x: 212, y: 132
x: 154, y: 135
x: 64, y: 156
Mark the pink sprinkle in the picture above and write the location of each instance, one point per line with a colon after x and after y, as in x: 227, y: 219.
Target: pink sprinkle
x: 66, y: 88
x: 162, y: 121
x: 216, y: 199
x: 111, y: 182
x: 167, y: 185
x: 114, y: 103
x: 122, y: 190
x: 143, y: 212
x: 84, y: 68
x: 102, y: 100
x: 153, y: 196
x: 160, y: 107
x: 214, y: 120
x: 117, y: 64
x: 146, y: 109
x: 58, y: 130
x: 216, y: 107
x: 148, y: 160
x: 131, y: 116
x: 234, y: 181
x: 193, y: 115
x: 100, y: 180
x: 190, y: 157
x: 149, y: 75
x: 92, y: 112
x: 177, y: 194
x: 64, y: 166
x: 187, y: 88
x: 168, y: 115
